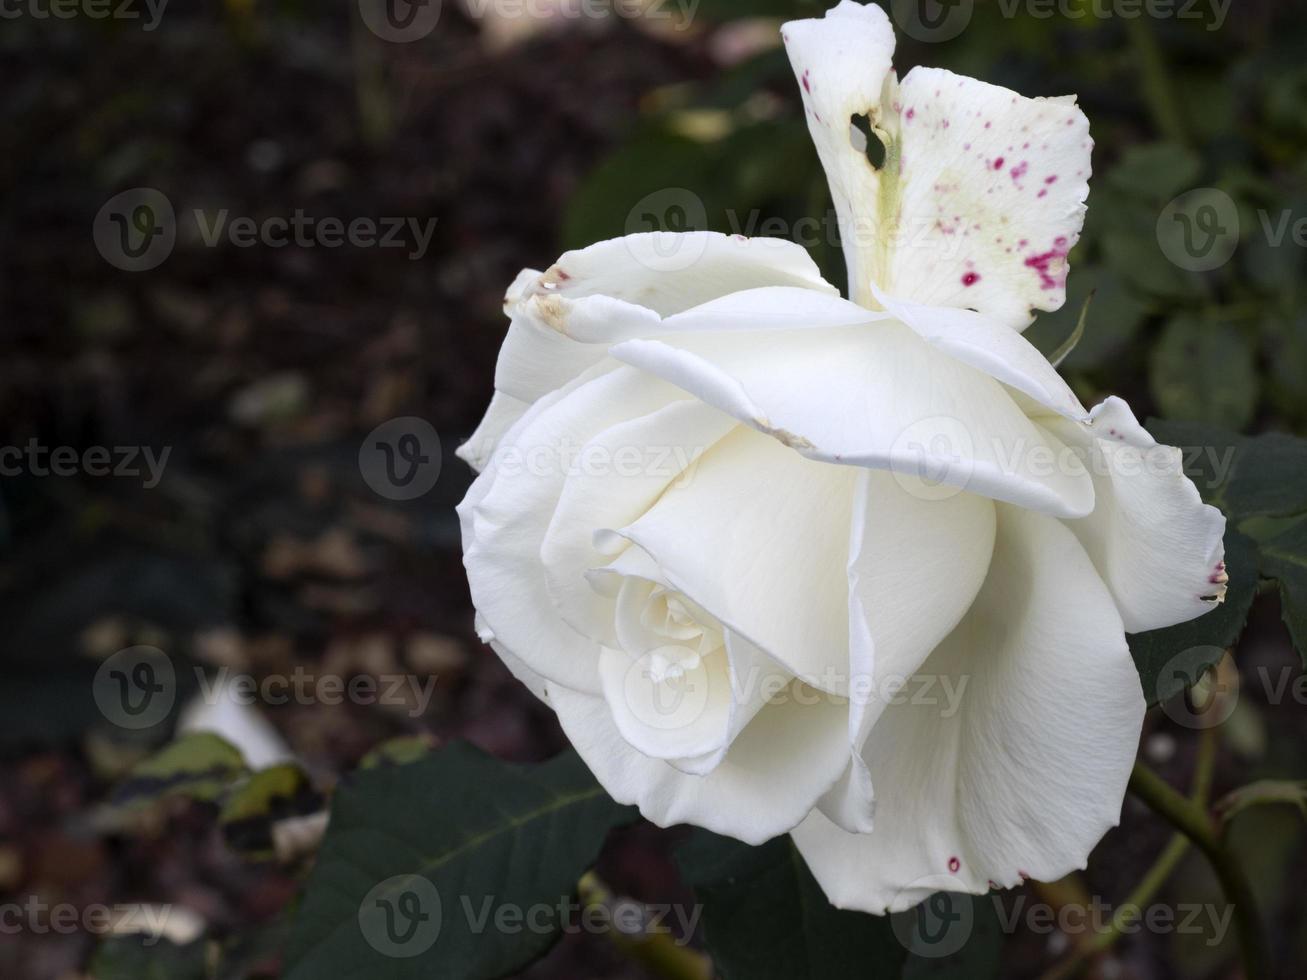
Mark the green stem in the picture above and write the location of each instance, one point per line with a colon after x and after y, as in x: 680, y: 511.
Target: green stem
x: 1158, y: 89
x: 662, y: 955
x: 1192, y: 820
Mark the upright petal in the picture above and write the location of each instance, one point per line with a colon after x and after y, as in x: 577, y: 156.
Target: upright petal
x: 980, y: 194
x: 842, y: 61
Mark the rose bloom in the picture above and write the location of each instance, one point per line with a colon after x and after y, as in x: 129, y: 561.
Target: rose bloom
x: 857, y: 570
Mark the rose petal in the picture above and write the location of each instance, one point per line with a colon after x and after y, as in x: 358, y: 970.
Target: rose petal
x: 1153, y: 540
x: 1029, y: 772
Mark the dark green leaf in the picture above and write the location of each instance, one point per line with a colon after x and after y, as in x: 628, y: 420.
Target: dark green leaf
x: 1245, y: 476
x: 765, y: 916
x: 1284, y: 558
x: 1172, y: 659
x: 654, y: 182
x: 1203, y: 371
x: 940, y: 923
x: 416, y: 855
x: 1157, y: 171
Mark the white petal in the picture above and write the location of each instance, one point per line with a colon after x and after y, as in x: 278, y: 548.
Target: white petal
x: 564, y: 318
x: 1156, y: 544
x: 915, y: 567
x: 991, y: 196
x: 980, y: 195
x: 775, y: 771
x: 691, y: 718
x: 619, y: 475
x: 507, y: 513
x: 503, y: 413
x: 876, y: 396
x: 758, y: 537
x: 842, y: 61
x: 1029, y: 771
x: 990, y: 346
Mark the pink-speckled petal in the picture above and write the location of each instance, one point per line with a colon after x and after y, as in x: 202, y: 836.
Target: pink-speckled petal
x: 991, y: 196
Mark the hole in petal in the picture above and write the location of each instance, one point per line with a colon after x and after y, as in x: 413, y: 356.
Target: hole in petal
x: 865, y: 140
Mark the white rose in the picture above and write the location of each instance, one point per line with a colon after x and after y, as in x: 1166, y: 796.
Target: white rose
x: 856, y: 570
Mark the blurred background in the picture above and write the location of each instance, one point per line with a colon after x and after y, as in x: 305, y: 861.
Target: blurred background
x: 193, y: 397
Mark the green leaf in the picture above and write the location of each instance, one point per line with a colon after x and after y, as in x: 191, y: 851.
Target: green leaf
x: 1135, y: 256
x: 765, y: 916
x: 1244, y: 476
x: 1173, y: 659
x: 139, y: 958
x: 1203, y: 371
x: 653, y: 182
x: 200, y: 766
x: 269, y: 795
x: 1156, y: 171
x: 419, y: 860
x: 1284, y: 558
x: 973, y: 919
x: 399, y: 751
x: 1264, y: 792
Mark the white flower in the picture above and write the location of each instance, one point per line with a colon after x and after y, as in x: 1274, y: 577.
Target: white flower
x: 860, y: 570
